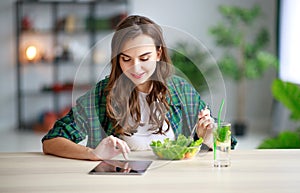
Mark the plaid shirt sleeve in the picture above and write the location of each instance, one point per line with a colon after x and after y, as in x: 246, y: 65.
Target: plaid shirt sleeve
x: 66, y: 127
x: 187, y: 103
x: 86, y: 118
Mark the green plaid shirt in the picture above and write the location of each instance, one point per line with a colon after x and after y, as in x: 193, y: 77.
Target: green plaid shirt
x: 88, y: 116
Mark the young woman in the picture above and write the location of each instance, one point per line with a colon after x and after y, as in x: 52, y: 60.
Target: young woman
x: 140, y: 101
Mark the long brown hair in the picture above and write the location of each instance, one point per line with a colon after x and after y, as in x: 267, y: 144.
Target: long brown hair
x: 122, y: 98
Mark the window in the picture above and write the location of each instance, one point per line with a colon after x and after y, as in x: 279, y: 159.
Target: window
x: 289, y: 41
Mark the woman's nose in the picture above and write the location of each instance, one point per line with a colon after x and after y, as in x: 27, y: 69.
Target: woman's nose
x: 136, y: 64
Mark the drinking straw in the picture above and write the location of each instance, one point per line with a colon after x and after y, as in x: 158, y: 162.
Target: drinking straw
x: 219, y: 124
x: 219, y: 113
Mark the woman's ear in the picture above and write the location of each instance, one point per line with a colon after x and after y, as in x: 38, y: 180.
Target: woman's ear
x: 159, y: 53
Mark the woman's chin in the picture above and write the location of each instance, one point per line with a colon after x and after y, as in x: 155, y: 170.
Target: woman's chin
x: 139, y: 81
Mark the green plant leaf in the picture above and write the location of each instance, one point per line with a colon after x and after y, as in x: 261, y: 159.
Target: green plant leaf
x: 285, y: 140
x: 289, y: 95
x: 252, y: 70
x: 262, y: 38
x: 249, y: 15
x: 229, y: 67
x: 229, y: 12
x: 187, y: 60
x: 266, y: 60
x: 249, y: 51
x: 225, y: 36
x: 235, y: 14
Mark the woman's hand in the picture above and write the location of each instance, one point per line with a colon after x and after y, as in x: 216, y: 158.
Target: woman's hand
x: 111, y: 146
x: 205, y: 126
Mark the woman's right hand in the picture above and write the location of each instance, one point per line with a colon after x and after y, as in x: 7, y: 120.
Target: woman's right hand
x: 110, y: 147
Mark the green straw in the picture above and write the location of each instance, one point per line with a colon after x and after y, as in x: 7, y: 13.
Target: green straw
x: 219, y: 124
x: 219, y: 114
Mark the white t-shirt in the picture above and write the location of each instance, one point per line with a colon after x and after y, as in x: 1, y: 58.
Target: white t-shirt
x: 143, y: 137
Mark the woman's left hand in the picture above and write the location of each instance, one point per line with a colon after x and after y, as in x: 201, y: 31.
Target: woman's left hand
x: 205, y: 125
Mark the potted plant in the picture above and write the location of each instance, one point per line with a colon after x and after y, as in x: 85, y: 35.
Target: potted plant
x: 245, y: 57
x: 186, y: 59
x: 288, y: 94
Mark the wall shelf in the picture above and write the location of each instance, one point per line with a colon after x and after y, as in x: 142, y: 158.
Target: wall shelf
x: 60, y: 32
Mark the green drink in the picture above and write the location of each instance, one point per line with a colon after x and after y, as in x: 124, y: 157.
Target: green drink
x: 222, y: 145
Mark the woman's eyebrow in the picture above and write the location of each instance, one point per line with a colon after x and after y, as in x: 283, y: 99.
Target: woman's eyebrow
x: 125, y: 55
x: 144, y: 54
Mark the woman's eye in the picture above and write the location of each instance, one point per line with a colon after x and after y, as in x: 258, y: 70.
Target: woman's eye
x: 144, y: 59
x: 125, y: 59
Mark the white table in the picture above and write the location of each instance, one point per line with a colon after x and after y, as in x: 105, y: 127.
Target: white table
x: 251, y: 171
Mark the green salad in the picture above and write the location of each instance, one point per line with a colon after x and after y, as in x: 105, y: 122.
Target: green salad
x: 180, y: 148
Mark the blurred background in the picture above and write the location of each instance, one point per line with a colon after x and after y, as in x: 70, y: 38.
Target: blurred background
x: 45, y: 45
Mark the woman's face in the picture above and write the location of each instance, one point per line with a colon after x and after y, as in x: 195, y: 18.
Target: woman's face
x: 138, y: 60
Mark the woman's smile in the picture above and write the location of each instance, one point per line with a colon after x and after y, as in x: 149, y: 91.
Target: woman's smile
x: 138, y: 75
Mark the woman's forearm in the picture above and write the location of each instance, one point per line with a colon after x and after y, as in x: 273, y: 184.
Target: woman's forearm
x: 65, y: 148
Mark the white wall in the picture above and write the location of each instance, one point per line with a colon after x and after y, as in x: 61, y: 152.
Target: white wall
x: 192, y: 16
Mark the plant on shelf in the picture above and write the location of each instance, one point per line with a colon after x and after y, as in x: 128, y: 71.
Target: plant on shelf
x: 289, y: 95
x: 245, y: 57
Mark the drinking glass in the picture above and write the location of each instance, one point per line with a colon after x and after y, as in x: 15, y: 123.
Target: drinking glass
x: 222, y: 144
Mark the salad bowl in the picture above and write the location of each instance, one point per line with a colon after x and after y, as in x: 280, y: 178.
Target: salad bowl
x: 179, y: 149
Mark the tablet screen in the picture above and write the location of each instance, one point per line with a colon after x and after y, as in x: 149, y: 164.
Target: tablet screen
x: 121, y: 167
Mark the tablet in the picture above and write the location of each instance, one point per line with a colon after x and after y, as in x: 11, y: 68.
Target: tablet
x: 121, y: 167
